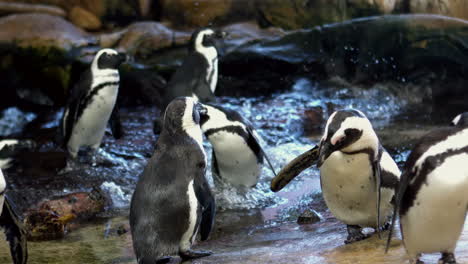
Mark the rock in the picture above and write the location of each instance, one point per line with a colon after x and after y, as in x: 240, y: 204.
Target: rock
x: 42, y: 30
x: 11, y: 8
x: 308, y: 217
x: 84, y: 19
x: 297, y: 14
x: 49, y: 220
x: 194, y: 13
x: 450, y: 8
x: 141, y: 39
x: 417, y: 48
x: 384, y: 6
x: 241, y: 33
x: 144, y: 7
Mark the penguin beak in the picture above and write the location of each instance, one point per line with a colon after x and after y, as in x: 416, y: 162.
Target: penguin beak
x: 220, y: 34
x: 122, y: 57
x: 294, y: 168
x: 325, y: 150
x: 202, y: 110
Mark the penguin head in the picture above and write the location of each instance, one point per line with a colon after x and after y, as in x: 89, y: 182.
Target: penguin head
x: 205, y: 40
x: 460, y: 120
x: 347, y: 131
x: 183, y: 114
x: 108, y: 59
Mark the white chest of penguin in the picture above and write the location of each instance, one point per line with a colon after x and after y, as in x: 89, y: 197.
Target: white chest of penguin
x: 348, y: 188
x: 92, y: 123
x: 211, y: 56
x: 236, y: 161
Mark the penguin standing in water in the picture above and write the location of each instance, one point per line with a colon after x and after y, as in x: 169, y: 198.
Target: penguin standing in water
x: 172, y: 199
x: 432, y: 200
x: 237, y: 155
x: 198, y: 74
x: 358, y: 177
x: 12, y: 225
x: 91, y: 103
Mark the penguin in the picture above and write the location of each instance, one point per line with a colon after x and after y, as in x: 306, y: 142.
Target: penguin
x: 91, y: 103
x: 198, y: 74
x: 9, y: 148
x: 237, y: 155
x: 357, y: 175
x: 431, y: 200
x: 172, y: 200
x: 460, y: 120
x: 12, y: 225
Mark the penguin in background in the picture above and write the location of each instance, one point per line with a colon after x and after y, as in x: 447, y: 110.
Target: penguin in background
x: 172, y: 200
x: 431, y: 200
x: 12, y: 225
x: 91, y: 103
x: 237, y: 155
x: 358, y: 177
x: 460, y: 120
x: 198, y: 74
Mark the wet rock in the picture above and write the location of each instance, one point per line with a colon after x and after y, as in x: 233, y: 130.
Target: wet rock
x: 11, y: 8
x: 417, y: 49
x: 313, y: 120
x: 384, y: 6
x: 241, y: 33
x: 194, y: 13
x: 308, y: 217
x: 49, y: 220
x: 450, y: 8
x: 84, y: 19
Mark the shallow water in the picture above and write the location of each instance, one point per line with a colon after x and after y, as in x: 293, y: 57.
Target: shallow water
x: 256, y: 226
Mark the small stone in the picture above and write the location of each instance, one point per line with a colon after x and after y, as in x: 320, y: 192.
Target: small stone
x: 84, y: 19
x: 308, y: 217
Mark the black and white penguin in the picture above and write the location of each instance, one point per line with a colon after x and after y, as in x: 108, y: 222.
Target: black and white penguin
x: 355, y: 173
x: 12, y: 225
x: 432, y: 200
x: 460, y: 120
x: 172, y: 199
x: 237, y: 155
x: 9, y: 148
x: 198, y: 74
x: 91, y: 103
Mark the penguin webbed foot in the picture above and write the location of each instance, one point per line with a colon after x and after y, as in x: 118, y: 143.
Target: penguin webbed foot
x: 193, y: 254
x: 447, y: 258
x: 71, y: 165
x: 355, y: 234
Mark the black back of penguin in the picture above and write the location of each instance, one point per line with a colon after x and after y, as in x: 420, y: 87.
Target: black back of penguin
x: 198, y: 73
x: 179, y: 159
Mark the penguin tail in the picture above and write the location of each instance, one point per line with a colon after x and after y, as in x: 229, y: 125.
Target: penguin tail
x: 15, y: 233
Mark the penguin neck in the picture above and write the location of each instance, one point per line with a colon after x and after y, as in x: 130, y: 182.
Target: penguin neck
x: 211, y: 56
x: 368, y: 141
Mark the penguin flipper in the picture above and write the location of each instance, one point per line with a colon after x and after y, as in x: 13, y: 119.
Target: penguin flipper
x: 115, y: 123
x: 378, y: 185
x: 257, y: 142
x: 15, y: 234
x: 206, y: 199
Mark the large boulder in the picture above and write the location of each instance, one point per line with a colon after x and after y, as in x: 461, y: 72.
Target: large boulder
x: 423, y: 49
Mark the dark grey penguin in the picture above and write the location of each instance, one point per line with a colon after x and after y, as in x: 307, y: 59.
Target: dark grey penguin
x: 198, y: 74
x: 460, y: 120
x: 432, y: 197
x: 358, y: 177
x: 12, y: 225
x: 237, y: 155
x: 91, y: 103
x: 172, y: 199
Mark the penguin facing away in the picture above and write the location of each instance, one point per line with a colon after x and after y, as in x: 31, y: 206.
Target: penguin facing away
x: 172, y: 200
x: 198, y: 74
x: 431, y: 200
x: 460, y: 120
x: 91, y: 103
x: 358, y: 177
x: 12, y: 225
x: 237, y: 155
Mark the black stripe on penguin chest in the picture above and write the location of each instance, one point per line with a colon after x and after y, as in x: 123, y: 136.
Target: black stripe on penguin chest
x: 88, y: 100
x: 239, y: 131
x: 429, y: 164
